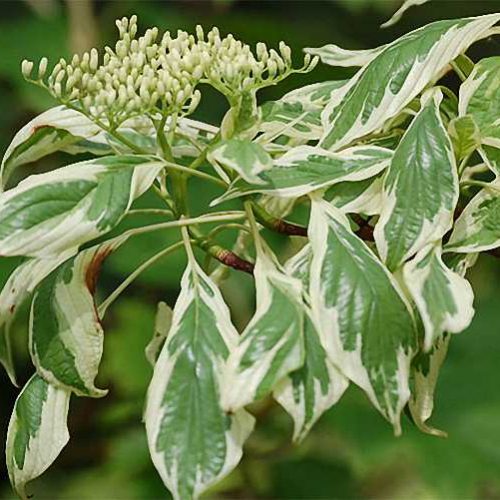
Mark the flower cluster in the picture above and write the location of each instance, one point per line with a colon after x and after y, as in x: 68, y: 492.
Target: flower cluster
x: 159, y: 76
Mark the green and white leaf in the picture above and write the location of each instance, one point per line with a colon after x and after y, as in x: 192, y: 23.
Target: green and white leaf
x: 425, y: 372
x: 491, y: 157
x: 291, y: 120
x: 333, y: 55
x: 19, y: 286
x: 443, y: 298
x: 37, y: 432
x: 365, y: 324
x: 51, y: 131
x: 315, y: 387
x: 163, y: 321
x: 362, y: 197
x: 478, y: 227
x: 193, y: 442
x: 306, y: 168
x: 248, y: 159
x: 58, y: 211
x: 465, y: 135
x: 480, y: 97
x: 384, y: 86
x: 66, y: 337
x: 298, y: 113
x: 420, y: 188
x: 314, y: 96
x: 400, y: 12
x: 272, y: 344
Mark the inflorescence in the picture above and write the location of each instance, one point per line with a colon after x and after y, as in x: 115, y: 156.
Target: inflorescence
x: 149, y: 75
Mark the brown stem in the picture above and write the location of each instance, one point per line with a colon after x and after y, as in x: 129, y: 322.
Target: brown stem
x: 276, y: 224
x: 365, y: 231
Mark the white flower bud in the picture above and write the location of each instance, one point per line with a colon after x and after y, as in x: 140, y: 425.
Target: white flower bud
x: 272, y: 67
x: 179, y: 98
x: 42, y: 67
x: 57, y: 89
x: 26, y: 68
x: 195, y: 100
x: 94, y: 60
x: 197, y: 72
x: 70, y: 83
x: 286, y: 52
x: 199, y: 33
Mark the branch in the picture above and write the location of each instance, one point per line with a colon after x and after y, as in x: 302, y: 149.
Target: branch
x: 276, y: 224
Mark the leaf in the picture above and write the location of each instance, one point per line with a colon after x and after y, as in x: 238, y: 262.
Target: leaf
x: 291, y: 120
x: 37, y: 431
x: 365, y: 324
x: 20, y: 285
x: 478, y: 227
x: 306, y: 168
x: 443, y: 298
x: 315, y: 387
x: 248, y: 159
x: 64, y: 129
x: 399, y: 13
x: 480, y: 97
x: 58, y: 211
x: 272, y: 344
x: 333, y: 55
x: 163, y: 322
x: 465, y: 135
x: 49, y: 132
x: 363, y: 197
x: 420, y: 188
x: 382, y: 88
x: 425, y: 371
x: 315, y: 96
x: 491, y: 157
x: 192, y: 441
x: 66, y: 336
x: 298, y: 113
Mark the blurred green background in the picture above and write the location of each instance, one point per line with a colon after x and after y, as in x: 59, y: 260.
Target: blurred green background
x: 351, y: 453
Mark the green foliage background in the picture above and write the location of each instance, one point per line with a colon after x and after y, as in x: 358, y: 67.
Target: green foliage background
x: 351, y: 453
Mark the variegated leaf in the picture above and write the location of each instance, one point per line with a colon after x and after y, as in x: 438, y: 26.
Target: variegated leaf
x: 192, y: 441
x: 306, y: 168
x: 399, y: 13
x: 66, y: 336
x: 53, y: 130
x: 425, y: 371
x: 315, y: 387
x: 443, y: 298
x: 420, y: 188
x: 478, y: 227
x: 315, y: 96
x: 333, y: 55
x: 365, y: 324
x: 248, y: 159
x: 383, y: 87
x: 58, y: 211
x: 465, y: 135
x: 163, y: 322
x: 491, y: 157
x: 37, y: 431
x: 272, y: 344
x: 362, y: 197
x: 64, y: 129
x: 291, y: 120
x: 20, y: 285
x: 480, y: 98
x: 298, y: 113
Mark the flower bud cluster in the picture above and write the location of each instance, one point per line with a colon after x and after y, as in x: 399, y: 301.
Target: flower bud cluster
x: 235, y: 68
x: 153, y: 75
